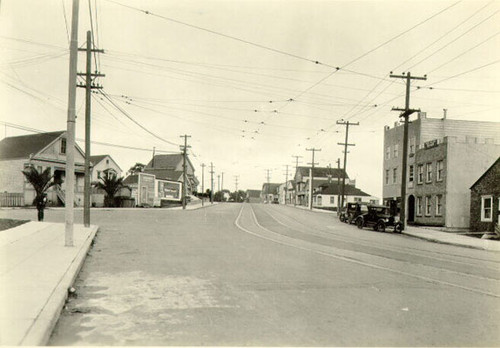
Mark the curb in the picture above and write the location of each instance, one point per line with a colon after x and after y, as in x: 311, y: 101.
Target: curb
x: 41, y: 330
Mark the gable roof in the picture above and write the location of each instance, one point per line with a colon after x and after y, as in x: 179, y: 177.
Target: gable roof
x: 334, y: 189
x: 170, y: 161
x: 131, y: 179
x: 165, y: 174
x: 98, y: 158
x: 270, y: 187
x: 322, y: 172
x: 25, y: 145
x: 486, y: 172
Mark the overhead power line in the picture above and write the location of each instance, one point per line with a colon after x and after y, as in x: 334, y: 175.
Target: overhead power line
x: 133, y: 120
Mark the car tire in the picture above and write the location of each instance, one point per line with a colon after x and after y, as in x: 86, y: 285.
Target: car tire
x: 360, y: 223
x: 398, y: 228
x: 380, y: 226
x: 342, y: 218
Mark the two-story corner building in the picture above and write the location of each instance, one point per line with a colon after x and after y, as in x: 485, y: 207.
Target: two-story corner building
x: 170, y: 167
x: 40, y: 151
x: 320, y: 175
x: 444, y: 158
x: 485, y: 201
x: 285, y: 192
x: 269, y: 192
x: 104, y: 165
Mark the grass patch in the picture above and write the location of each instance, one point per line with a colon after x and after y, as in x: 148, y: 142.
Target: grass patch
x: 5, y: 224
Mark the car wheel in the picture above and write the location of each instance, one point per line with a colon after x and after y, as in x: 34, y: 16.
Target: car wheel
x: 360, y: 223
x: 398, y: 228
x: 342, y: 218
x: 380, y: 226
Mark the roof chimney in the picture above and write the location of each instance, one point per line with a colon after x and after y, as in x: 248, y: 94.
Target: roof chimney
x: 444, y: 113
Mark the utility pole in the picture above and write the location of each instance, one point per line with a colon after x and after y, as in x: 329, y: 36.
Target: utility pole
x: 218, y: 182
x: 89, y: 85
x: 236, y: 177
x: 286, y: 183
x: 346, y: 144
x: 70, y: 133
x: 222, y: 182
x: 268, y: 183
x: 338, y: 186
x: 406, y: 112
x: 211, y: 183
x: 311, y: 187
x: 153, y: 159
x: 296, y: 186
x: 184, y: 169
x: 202, y: 184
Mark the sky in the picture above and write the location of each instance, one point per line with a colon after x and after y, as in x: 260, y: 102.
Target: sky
x: 253, y: 83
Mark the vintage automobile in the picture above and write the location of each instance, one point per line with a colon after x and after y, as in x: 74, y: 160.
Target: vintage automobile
x: 379, y: 217
x: 352, y: 211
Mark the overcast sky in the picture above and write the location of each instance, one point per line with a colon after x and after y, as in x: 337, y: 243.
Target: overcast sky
x: 224, y: 73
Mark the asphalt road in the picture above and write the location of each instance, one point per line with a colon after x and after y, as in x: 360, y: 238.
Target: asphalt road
x: 269, y: 275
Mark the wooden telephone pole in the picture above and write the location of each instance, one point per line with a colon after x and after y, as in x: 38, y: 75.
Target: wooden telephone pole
x: 184, y: 169
x: 311, y: 186
x: 89, y: 85
x: 405, y: 113
x: 345, y: 144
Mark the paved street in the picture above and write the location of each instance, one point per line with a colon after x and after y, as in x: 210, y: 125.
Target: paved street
x: 269, y: 275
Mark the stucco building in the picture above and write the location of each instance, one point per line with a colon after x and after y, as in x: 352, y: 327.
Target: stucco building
x: 445, y: 157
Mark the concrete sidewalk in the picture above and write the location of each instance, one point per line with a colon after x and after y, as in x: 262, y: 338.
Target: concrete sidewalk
x: 36, y: 270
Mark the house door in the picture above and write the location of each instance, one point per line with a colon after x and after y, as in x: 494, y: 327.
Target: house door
x: 411, y: 209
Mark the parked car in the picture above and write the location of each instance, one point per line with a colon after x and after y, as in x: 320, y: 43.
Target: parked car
x: 379, y: 217
x: 352, y: 211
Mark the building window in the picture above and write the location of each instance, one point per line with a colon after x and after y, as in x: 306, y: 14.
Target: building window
x: 388, y: 153
x: 395, y: 175
x: 428, y: 172
x: 387, y: 177
x: 486, y: 208
x: 412, y: 145
x: 357, y: 199
x: 420, y: 173
x: 319, y: 200
x: 372, y: 201
x: 63, y: 146
x: 332, y: 200
x: 410, y: 174
x: 98, y: 174
x: 439, y: 205
x: 428, y: 205
x: 396, y: 150
x: 439, y: 170
x: 419, y: 206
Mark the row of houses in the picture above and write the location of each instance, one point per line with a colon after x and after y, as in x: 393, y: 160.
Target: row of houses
x: 160, y: 182
x: 326, y: 183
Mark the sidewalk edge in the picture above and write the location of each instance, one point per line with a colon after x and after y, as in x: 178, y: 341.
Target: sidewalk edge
x: 44, y: 324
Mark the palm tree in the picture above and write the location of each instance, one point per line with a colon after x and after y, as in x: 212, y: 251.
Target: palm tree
x: 111, y: 185
x: 41, y: 182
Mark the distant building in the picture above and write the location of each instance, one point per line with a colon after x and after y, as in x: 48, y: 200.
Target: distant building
x: 104, y: 164
x: 445, y: 157
x: 149, y: 191
x: 253, y: 196
x: 101, y: 166
x: 327, y: 196
x: 170, y: 167
x: 321, y: 175
x: 269, y: 192
x: 43, y: 150
x: 485, y: 200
